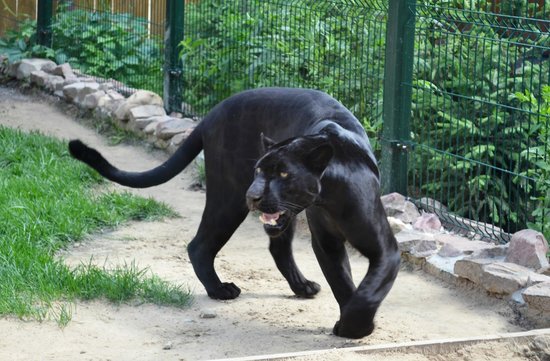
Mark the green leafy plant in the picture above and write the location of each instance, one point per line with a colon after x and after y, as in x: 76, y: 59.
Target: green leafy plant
x: 20, y: 43
x: 538, y: 158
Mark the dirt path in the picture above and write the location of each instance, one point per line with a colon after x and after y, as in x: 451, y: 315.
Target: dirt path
x: 265, y: 319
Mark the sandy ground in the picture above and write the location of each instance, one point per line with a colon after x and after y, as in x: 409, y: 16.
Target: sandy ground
x: 265, y: 319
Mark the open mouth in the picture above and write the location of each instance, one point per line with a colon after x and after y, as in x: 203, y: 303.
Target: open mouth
x: 271, y: 219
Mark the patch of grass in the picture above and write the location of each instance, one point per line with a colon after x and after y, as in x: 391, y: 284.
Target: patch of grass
x: 114, y: 134
x: 47, y: 201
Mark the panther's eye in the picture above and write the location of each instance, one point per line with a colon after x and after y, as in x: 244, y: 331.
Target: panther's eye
x: 283, y: 174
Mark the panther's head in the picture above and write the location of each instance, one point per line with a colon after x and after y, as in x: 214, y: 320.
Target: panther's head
x: 287, y: 179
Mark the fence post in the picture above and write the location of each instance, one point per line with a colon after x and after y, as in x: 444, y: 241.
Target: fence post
x: 397, y: 95
x: 172, y: 65
x: 44, y: 22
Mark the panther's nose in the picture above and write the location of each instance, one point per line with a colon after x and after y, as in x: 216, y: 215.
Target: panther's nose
x: 254, y: 196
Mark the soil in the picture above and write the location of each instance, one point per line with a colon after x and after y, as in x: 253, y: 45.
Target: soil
x: 265, y: 319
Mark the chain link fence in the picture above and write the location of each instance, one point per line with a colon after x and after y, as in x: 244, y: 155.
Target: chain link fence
x: 455, y: 94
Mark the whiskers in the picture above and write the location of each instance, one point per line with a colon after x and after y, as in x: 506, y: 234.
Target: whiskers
x: 290, y: 206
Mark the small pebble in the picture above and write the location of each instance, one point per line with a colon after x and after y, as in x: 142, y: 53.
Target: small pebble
x: 167, y: 346
x: 208, y: 314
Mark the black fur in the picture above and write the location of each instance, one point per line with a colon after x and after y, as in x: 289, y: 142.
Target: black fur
x: 280, y: 151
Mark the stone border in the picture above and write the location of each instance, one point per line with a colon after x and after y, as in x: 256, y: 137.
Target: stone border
x: 516, y: 272
x: 142, y: 112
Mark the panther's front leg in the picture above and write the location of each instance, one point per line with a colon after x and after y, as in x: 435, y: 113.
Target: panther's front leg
x: 369, y: 232
x: 281, y: 250
x: 218, y: 223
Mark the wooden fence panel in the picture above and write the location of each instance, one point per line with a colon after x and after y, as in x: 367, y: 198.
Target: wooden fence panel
x: 26, y: 9
x: 158, y: 17
x: 152, y: 10
x: 7, y: 19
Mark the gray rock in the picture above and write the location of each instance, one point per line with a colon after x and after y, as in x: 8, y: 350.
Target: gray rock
x: 397, y: 206
x: 39, y: 78
x: 111, y: 101
x: 91, y: 100
x: 139, y: 124
x: 504, y: 278
x: 208, y: 314
x: 106, y: 87
x: 27, y: 66
x: 535, y: 278
x: 140, y: 97
x: 89, y: 88
x: 498, y: 252
x: 11, y: 69
x: 412, y: 235
x: 76, y: 92
x: 418, y: 247
x: 448, y: 250
x: 528, y: 248
x: 64, y: 70
x: 54, y: 82
x: 166, y: 130
x: 145, y: 111
x: 68, y: 82
x: 538, y: 296
x: 396, y: 225
x: 151, y: 128
x: 178, y: 139
x: 427, y: 222
x: 471, y: 269
x: 465, y: 245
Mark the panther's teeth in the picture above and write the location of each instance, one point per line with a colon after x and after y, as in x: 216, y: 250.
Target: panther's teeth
x: 272, y: 221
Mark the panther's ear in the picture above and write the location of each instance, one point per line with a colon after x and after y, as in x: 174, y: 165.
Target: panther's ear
x: 266, y: 142
x: 318, y: 157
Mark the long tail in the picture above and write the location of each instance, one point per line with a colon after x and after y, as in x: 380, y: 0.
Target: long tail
x: 161, y: 174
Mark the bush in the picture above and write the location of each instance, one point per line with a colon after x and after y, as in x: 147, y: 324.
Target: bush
x: 109, y: 45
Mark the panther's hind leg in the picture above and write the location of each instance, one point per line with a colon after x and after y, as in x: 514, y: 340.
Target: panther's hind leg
x: 281, y: 250
x: 219, y: 222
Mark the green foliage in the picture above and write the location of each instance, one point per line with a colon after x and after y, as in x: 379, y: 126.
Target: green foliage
x: 232, y: 46
x: 110, y: 45
x: 538, y: 158
x: 469, y: 74
x: 49, y: 200
x: 20, y: 43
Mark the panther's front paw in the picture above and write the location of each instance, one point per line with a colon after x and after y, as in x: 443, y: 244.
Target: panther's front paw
x: 354, y: 330
x: 226, y: 291
x: 307, y: 289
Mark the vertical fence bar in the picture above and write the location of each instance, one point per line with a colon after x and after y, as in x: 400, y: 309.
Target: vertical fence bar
x: 172, y: 67
x: 397, y: 95
x: 44, y: 22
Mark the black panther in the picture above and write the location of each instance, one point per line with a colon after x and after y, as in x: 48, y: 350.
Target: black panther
x: 279, y: 151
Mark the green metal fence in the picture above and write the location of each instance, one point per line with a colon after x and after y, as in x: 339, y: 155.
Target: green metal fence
x: 479, y: 126
x: 453, y: 93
